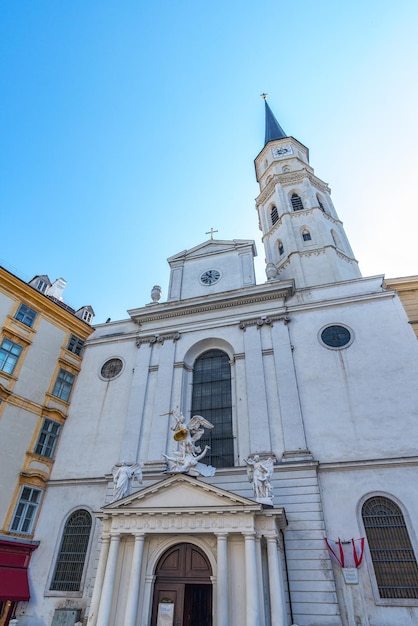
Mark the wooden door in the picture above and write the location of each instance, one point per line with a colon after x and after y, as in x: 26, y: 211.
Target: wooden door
x: 173, y: 592
x: 183, y: 576
x: 197, y: 605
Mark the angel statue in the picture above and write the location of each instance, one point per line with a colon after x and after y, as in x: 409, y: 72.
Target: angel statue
x: 123, y: 474
x: 259, y: 474
x: 187, y: 454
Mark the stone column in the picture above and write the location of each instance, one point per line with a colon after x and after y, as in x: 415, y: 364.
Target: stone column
x: 260, y: 581
x: 259, y: 427
x: 251, y: 580
x: 100, y: 572
x: 135, y: 417
x: 278, y: 608
x: 134, y: 580
x: 222, y: 580
x: 109, y: 580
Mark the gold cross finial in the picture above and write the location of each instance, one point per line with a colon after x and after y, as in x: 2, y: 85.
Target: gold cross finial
x: 264, y: 96
x: 210, y: 232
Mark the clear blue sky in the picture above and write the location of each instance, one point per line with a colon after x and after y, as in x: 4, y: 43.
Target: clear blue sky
x: 129, y: 129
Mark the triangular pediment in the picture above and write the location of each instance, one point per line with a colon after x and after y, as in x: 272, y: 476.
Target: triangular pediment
x: 213, y: 247
x: 182, y: 492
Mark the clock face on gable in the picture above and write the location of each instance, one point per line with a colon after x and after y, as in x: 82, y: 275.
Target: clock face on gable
x: 210, y: 277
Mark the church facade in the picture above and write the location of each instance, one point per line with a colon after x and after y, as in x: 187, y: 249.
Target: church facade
x: 292, y: 500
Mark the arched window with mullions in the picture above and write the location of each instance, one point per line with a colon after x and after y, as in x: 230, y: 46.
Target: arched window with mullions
x: 297, y: 204
x: 211, y: 398
x: 393, y: 557
x: 72, y: 553
x: 274, y: 215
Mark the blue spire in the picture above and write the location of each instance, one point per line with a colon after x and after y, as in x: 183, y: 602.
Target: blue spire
x: 273, y: 128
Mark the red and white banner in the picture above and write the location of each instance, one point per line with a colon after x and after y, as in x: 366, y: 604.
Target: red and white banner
x: 346, y: 553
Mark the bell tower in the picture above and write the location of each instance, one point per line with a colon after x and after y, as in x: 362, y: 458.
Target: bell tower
x: 303, y: 237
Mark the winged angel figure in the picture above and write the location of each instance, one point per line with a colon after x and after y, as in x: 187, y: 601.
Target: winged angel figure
x: 259, y: 474
x: 123, y: 474
x: 187, y: 454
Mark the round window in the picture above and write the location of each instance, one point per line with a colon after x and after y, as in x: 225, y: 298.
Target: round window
x: 336, y: 336
x: 111, y: 368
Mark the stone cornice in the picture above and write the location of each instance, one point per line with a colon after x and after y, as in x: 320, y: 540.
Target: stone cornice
x: 405, y: 283
x: 290, y: 178
x: 342, y: 301
x: 263, y: 321
x: 157, y: 339
x: 408, y: 461
x: 195, y: 520
x: 315, y: 252
x: 194, y: 306
x: 296, y: 214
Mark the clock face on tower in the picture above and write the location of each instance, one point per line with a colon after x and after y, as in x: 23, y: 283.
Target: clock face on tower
x: 210, y: 277
x: 284, y: 151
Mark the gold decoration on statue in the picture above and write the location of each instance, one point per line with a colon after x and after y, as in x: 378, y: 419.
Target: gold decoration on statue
x: 180, y: 434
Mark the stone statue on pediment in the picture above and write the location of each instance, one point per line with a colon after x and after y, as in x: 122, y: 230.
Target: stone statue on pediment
x: 259, y: 473
x: 124, y: 473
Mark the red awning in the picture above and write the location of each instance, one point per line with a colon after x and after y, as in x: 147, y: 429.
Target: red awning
x: 14, y: 584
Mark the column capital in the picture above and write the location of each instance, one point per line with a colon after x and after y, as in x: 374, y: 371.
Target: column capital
x: 249, y: 534
x: 114, y: 534
x: 138, y: 535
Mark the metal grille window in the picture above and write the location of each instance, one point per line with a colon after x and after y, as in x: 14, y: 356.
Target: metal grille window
x: 274, y: 215
x: 25, y: 513
x: 394, y: 561
x: 63, y: 385
x: 212, y: 399
x: 9, y: 354
x: 26, y: 315
x: 48, y: 438
x: 75, y: 345
x: 297, y: 203
x: 72, y: 553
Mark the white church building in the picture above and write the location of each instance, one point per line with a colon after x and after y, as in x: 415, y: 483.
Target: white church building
x: 306, y: 388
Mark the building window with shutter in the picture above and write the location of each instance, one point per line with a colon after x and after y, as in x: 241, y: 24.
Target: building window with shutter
x: 26, y: 510
x: 26, y: 315
x: 9, y: 355
x: 48, y: 438
x: 63, y: 385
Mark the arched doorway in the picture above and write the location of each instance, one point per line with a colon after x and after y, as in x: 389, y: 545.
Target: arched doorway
x: 183, y: 587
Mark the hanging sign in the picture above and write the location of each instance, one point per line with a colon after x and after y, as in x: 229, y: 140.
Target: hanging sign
x: 165, y: 615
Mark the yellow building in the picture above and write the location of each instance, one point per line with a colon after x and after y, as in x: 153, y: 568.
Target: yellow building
x: 407, y: 290
x: 41, y: 344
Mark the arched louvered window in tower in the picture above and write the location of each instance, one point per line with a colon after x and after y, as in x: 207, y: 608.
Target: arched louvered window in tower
x: 280, y: 247
x: 320, y: 203
x: 297, y: 203
x: 393, y: 557
x: 306, y: 235
x: 274, y: 215
x: 72, y: 553
x: 211, y: 398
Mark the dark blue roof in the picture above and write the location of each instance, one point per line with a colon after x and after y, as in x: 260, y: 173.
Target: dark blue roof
x: 273, y: 128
